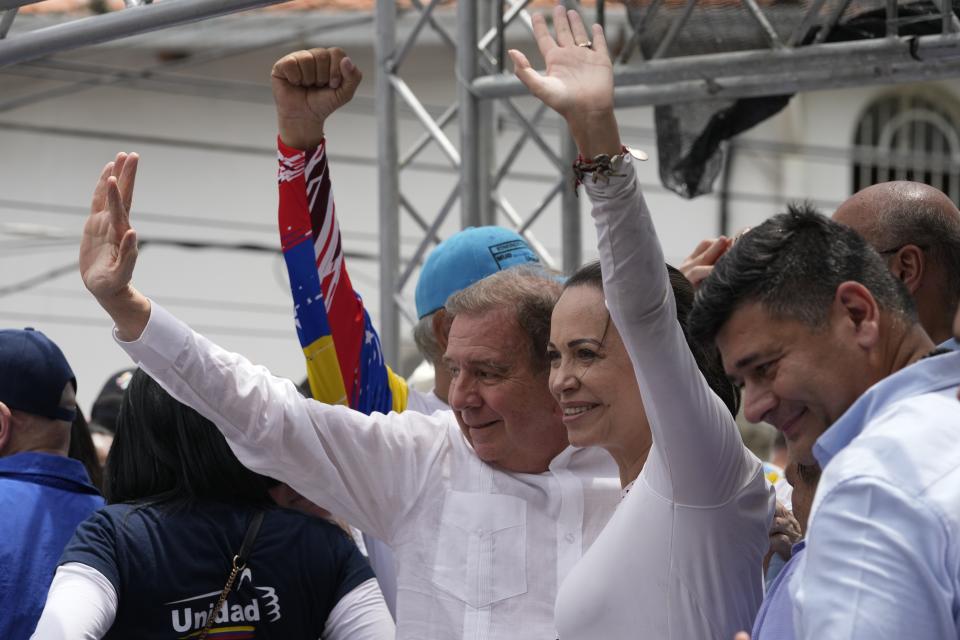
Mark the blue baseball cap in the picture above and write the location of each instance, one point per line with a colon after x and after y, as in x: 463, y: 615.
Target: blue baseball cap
x: 466, y: 257
x: 33, y: 373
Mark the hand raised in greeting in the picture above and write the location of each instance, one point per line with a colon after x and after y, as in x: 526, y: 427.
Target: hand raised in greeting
x: 108, y: 249
x: 578, y: 83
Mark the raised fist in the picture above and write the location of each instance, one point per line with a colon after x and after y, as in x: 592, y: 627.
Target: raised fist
x: 308, y: 86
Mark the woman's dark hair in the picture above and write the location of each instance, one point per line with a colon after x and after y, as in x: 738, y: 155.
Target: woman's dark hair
x: 165, y: 452
x: 83, y: 449
x: 706, y: 354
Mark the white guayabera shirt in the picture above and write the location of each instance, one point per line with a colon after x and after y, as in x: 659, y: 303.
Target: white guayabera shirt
x: 480, y: 551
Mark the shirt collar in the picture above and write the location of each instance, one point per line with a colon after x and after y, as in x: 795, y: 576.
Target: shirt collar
x: 47, y: 465
x: 924, y: 376
x: 562, y: 460
x: 953, y: 344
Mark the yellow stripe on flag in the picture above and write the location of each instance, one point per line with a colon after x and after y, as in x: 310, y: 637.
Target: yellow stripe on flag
x: 399, y: 390
x: 323, y: 371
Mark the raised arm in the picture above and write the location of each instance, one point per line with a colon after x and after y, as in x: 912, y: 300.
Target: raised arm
x: 108, y: 248
x: 342, y: 349
x: 698, y: 456
x: 366, y: 469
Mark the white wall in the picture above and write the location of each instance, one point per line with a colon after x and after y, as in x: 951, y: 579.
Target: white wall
x: 239, y: 298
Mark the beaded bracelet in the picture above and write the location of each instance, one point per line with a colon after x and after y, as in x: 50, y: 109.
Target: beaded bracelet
x: 603, y: 166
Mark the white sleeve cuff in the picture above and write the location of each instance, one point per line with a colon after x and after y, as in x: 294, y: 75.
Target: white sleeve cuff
x: 162, y: 339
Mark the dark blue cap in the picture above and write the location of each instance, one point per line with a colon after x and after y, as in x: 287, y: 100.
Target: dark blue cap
x: 33, y: 373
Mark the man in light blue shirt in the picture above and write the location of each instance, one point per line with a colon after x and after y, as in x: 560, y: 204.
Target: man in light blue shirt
x: 916, y: 229
x: 808, y: 318
x: 886, y: 519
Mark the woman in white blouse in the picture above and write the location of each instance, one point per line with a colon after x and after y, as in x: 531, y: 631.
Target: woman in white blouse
x: 681, y: 558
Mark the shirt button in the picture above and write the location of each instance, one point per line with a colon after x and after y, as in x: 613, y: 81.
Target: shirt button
x: 569, y: 538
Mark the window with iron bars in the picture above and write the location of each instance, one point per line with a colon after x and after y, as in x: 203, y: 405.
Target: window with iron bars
x: 909, y: 136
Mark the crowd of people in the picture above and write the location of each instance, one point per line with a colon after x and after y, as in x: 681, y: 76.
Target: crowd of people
x: 576, y: 472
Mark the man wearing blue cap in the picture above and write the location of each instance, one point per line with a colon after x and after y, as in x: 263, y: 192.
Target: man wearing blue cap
x: 463, y: 259
x: 44, y: 494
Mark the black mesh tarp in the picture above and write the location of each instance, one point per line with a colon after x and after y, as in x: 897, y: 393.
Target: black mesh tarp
x: 690, y: 136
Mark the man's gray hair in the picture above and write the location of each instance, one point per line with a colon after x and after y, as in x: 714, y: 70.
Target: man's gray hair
x: 426, y: 338
x: 529, y: 292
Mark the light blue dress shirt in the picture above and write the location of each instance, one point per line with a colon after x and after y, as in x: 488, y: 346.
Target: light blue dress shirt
x: 775, y: 618
x: 883, y: 545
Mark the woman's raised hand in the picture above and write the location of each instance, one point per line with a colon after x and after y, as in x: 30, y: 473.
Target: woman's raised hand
x: 579, y: 78
x: 578, y: 83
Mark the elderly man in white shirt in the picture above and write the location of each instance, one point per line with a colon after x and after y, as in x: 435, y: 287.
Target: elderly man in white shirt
x: 487, y: 507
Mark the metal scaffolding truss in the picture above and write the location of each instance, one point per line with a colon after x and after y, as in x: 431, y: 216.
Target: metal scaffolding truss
x: 789, y: 53
x: 478, y: 47
x: 138, y: 16
x: 794, y: 54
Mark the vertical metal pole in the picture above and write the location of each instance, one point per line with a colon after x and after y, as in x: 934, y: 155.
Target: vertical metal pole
x: 572, y: 232
x: 950, y: 22
x: 570, y: 209
x: 502, y: 41
x: 389, y: 180
x: 893, y: 27
x: 469, y: 114
x: 486, y: 18
x: 486, y: 124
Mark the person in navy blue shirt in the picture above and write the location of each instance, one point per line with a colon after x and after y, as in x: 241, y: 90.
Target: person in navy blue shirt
x: 44, y: 494
x: 153, y: 563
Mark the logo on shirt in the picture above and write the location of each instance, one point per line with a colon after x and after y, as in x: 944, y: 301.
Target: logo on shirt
x: 231, y: 621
